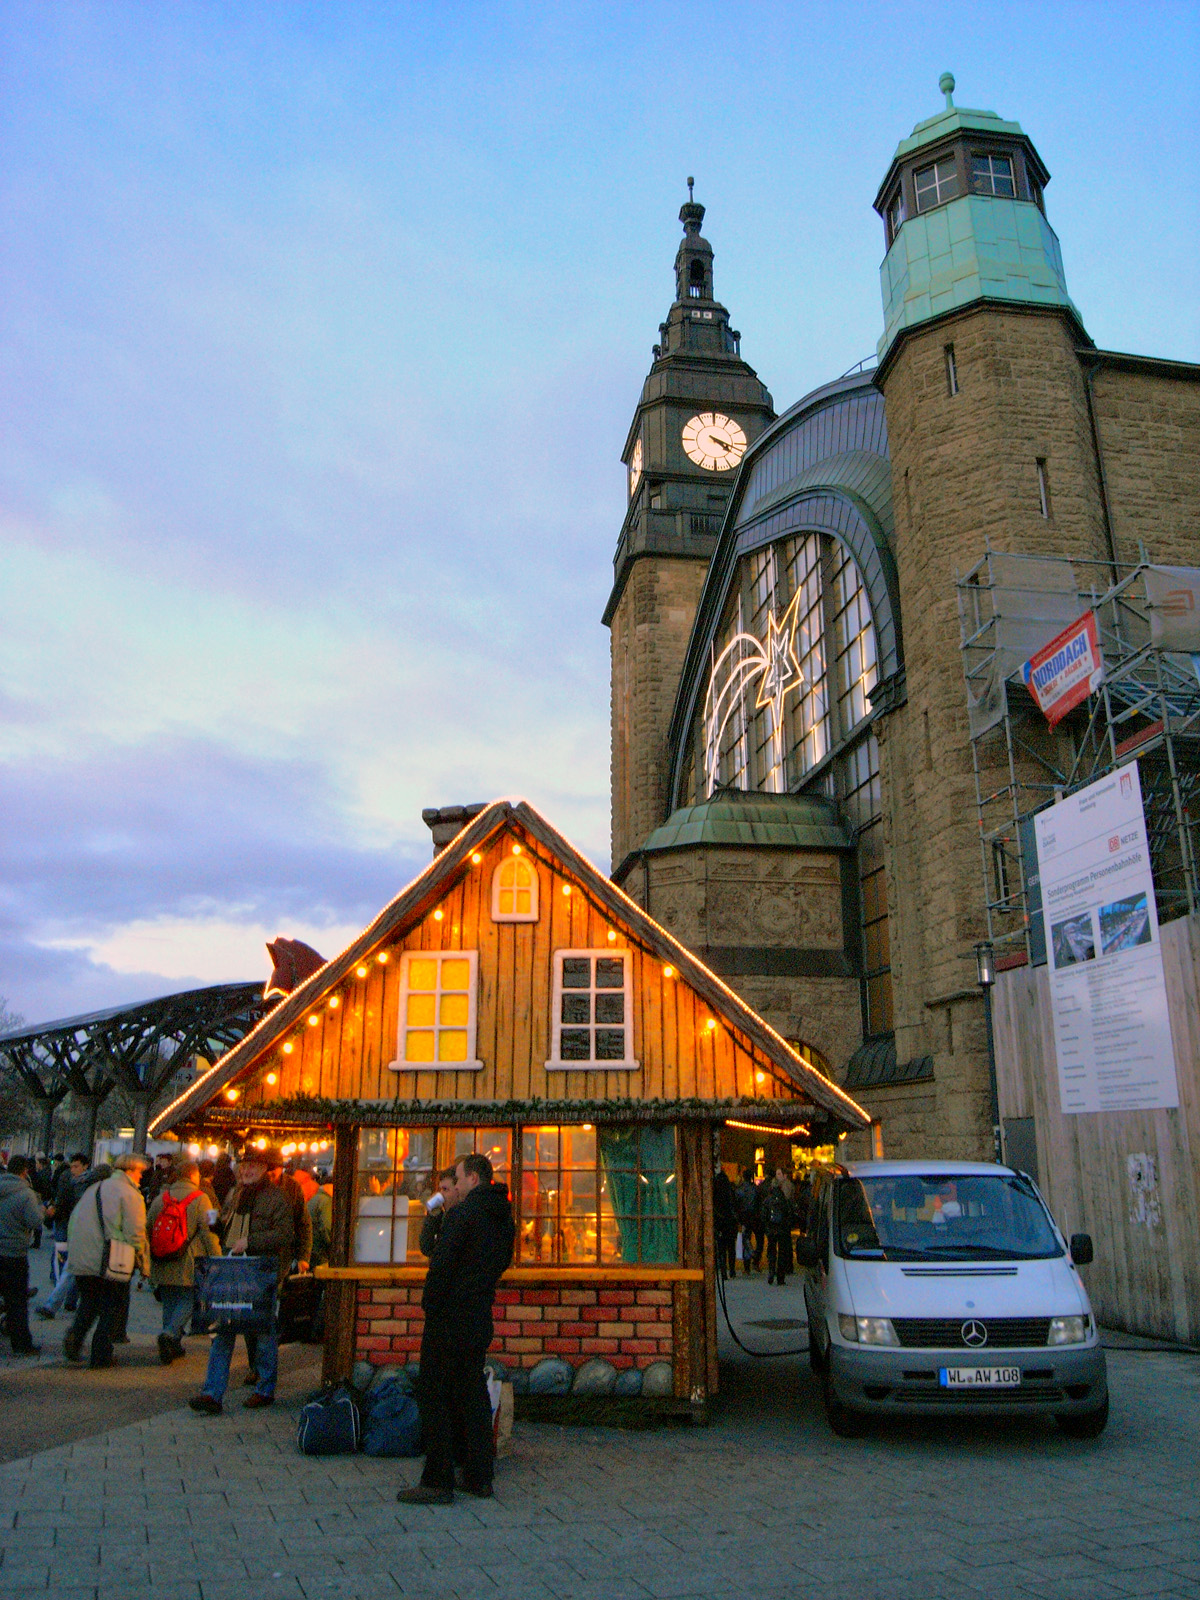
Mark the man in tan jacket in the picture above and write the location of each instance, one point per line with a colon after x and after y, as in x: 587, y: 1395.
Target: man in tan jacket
x: 112, y: 1209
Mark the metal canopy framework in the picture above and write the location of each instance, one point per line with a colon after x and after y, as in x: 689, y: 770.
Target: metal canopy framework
x: 1146, y: 709
x: 138, y: 1048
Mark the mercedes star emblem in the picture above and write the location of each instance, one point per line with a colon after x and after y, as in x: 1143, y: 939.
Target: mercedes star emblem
x: 974, y: 1333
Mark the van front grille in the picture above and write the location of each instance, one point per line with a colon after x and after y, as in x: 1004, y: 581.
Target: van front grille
x: 945, y: 1333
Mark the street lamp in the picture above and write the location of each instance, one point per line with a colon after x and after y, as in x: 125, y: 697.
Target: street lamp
x: 985, y: 976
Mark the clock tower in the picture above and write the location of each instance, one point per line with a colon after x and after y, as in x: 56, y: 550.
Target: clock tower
x: 700, y: 409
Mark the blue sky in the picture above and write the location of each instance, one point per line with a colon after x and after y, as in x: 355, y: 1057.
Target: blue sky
x: 322, y: 330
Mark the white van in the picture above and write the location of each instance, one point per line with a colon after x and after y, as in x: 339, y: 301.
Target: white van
x: 944, y: 1287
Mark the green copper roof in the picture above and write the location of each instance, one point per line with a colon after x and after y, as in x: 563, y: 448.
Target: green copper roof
x: 976, y: 248
x: 951, y: 121
x: 760, y: 821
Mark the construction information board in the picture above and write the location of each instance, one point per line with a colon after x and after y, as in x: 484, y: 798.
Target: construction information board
x: 1112, y: 1032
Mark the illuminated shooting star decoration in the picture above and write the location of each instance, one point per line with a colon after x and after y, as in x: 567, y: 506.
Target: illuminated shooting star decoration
x: 744, y: 660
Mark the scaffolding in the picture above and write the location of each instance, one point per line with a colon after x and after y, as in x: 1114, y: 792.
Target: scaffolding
x: 1147, y: 708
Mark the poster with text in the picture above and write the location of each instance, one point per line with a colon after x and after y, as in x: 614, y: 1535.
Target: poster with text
x: 1112, y: 1033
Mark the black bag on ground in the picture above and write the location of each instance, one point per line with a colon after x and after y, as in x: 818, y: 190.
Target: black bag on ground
x: 392, y: 1425
x: 237, y: 1292
x: 331, y: 1423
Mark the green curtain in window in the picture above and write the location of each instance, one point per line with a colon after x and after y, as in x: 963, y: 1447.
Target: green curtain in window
x: 639, y: 1165
x: 656, y: 1192
x: 618, y: 1161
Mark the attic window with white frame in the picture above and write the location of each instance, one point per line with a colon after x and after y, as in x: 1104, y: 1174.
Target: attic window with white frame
x: 515, y: 890
x: 436, y: 1032
x: 592, y: 1010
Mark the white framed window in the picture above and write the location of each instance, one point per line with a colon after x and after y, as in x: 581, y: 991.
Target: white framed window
x: 992, y: 175
x: 592, y: 1016
x: 515, y: 890
x: 438, y: 1004
x: 936, y: 183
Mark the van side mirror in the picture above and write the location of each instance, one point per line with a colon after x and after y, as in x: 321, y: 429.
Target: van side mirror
x: 1081, y: 1249
x: 806, y: 1252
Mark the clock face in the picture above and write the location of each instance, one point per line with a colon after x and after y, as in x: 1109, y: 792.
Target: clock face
x: 635, y: 468
x: 713, y: 441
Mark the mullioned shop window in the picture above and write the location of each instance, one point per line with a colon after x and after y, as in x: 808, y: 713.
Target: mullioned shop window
x: 582, y: 1195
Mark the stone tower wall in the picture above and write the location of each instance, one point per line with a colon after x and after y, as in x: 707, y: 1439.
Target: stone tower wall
x: 1149, y: 428
x: 964, y: 471
x: 650, y: 632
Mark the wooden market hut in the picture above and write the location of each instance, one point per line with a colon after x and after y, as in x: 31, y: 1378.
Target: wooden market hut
x: 513, y: 1000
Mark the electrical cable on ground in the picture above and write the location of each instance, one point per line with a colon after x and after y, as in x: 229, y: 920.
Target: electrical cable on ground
x: 762, y: 1354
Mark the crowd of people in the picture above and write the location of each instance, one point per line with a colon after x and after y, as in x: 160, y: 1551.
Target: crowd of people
x: 152, y: 1219
x: 754, y: 1215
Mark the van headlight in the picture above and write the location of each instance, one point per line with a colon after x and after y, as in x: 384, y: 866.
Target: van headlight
x: 866, y: 1330
x: 1069, y: 1330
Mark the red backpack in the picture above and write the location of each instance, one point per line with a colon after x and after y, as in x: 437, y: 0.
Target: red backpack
x: 169, y: 1235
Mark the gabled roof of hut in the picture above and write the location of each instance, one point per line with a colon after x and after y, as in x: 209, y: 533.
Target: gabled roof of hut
x: 421, y: 896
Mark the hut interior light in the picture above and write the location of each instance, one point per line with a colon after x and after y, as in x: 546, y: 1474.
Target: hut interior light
x: 382, y: 958
x: 312, y: 1021
x: 710, y: 1025
x: 260, y: 1144
x: 612, y: 938
x: 232, y: 1094
x: 288, y: 1048
x: 438, y: 914
x: 516, y: 849
x: 567, y: 889
x: 668, y: 972
x: 272, y: 1077
x: 193, y: 1149
x: 212, y: 1152
x: 361, y: 971
x: 476, y: 858
x: 334, y: 1002
x: 760, y: 1077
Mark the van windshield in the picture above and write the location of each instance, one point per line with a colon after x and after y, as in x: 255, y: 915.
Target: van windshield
x: 975, y: 1217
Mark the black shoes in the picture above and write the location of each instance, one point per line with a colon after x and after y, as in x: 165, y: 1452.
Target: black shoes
x: 206, y: 1405
x: 424, y: 1494
x: 72, y: 1345
x: 44, y: 1312
x: 254, y: 1402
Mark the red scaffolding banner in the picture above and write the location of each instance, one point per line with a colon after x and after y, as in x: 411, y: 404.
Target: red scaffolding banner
x: 1064, y: 672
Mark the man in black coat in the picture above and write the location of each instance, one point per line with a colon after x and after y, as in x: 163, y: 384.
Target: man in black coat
x: 474, y: 1246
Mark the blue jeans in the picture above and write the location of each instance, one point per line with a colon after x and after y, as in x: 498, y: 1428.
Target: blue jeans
x: 62, y: 1291
x: 220, y: 1357
x: 177, y: 1302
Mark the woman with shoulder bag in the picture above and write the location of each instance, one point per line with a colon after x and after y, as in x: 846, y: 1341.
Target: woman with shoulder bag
x: 106, y: 1242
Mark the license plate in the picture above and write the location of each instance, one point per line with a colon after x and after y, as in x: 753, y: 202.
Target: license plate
x: 979, y: 1377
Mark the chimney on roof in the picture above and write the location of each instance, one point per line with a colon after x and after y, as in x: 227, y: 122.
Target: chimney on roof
x: 447, y: 822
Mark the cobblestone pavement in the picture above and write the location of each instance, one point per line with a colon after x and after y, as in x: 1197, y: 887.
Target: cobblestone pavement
x: 764, y: 1503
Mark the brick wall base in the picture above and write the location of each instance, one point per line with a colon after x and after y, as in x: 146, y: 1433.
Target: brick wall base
x: 628, y: 1326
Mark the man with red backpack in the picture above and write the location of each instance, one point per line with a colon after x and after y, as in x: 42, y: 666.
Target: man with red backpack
x: 178, y: 1223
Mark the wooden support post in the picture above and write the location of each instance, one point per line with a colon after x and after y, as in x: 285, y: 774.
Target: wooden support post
x: 341, y: 1296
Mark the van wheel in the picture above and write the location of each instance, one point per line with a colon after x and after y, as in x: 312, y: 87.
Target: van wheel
x: 1085, y: 1424
x: 845, y: 1423
x: 815, y: 1359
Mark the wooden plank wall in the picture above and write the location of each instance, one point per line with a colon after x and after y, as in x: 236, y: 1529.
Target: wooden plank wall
x: 1146, y: 1276
x: 344, y: 1051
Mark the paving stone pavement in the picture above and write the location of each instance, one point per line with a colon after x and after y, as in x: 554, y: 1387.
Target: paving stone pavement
x: 765, y: 1502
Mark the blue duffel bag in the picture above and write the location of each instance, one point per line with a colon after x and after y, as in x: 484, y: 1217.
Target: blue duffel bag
x: 331, y: 1423
x: 392, y: 1425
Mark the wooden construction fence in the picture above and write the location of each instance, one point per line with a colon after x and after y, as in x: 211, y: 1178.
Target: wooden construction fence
x: 1129, y: 1178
